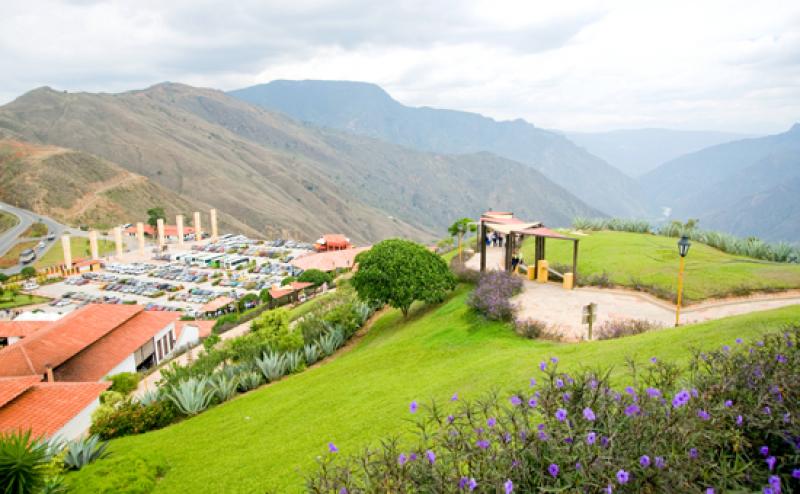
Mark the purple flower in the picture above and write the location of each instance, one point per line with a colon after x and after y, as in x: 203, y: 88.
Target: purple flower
x: 568, y: 440
x: 561, y: 415
x: 695, y: 394
x: 781, y: 359
x: 796, y: 473
x: 554, y: 360
x: 450, y: 419
x: 343, y: 490
x: 509, y: 486
x: 726, y: 348
x: 630, y: 390
x: 412, y: 457
x: 703, y: 415
x: 588, y: 414
x: 483, y: 444
x: 767, y: 411
x: 660, y: 463
x: 738, y: 341
x: 653, y: 392
x: 622, y: 477
x: 771, y: 462
x: 559, y: 383
x: 462, y: 482
x: 681, y: 399
x: 591, y: 438
x: 644, y: 461
x: 768, y: 490
x: 543, y: 366
x: 454, y: 397
x: 632, y: 410
x: 533, y: 382
x: 739, y: 420
x: 764, y: 450
x: 566, y: 397
x: 553, y: 470
x: 491, y: 421
x: 728, y: 403
x: 609, y: 489
x: 578, y: 466
x: 693, y: 453
x: 759, y: 343
x: 402, y: 459
x: 332, y: 448
x: 775, y: 483
x: 604, y: 441
x: 542, y: 436
x: 431, y: 456
x: 413, y: 407
x: 532, y: 403
x: 516, y: 401
x: 710, y: 490
x: 653, y: 360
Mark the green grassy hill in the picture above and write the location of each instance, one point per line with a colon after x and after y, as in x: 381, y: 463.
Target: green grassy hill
x: 631, y: 258
x: 266, y: 440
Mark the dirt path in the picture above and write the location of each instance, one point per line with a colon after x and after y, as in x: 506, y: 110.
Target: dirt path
x: 89, y: 200
x: 562, y: 310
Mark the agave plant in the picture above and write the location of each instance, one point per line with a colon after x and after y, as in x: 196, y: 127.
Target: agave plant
x: 149, y: 397
x: 293, y: 361
x: 312, y: 353
x: 327, y: 343
x: 81, y: 452
x: 363, y: 311
x: 223, y: 387
x: 191, y: 396
x: 250, y: 380
x: 272, y: 365
x: 23, y: 462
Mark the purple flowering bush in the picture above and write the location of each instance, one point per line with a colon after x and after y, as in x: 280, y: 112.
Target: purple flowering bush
x: 492, y: 296
x: 728, y: 422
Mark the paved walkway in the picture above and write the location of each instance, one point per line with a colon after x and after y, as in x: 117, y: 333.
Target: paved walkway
x: 562, y: 310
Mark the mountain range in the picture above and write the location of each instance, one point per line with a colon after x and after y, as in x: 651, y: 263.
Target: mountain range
x: 272, y: 173
x: 746, y: 187
x: 366, y: 109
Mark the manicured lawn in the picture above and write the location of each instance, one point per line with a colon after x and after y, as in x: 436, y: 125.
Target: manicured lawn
x: 653, y: 260
x: 11, y: 258
x: 266, y: 440
x: 7, y: 220
x: 20, y: 300
x: 79, y: 247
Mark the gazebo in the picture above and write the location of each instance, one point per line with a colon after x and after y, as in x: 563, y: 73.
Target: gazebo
x: 515, y: 231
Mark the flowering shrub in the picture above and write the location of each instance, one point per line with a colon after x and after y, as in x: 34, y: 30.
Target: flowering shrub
x: 728, y: 423
x: 617, y: 328
x: 492, y: 296
x: 530, y: 328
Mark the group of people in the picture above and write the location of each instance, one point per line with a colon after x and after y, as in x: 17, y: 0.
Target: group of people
x: 495, y: 240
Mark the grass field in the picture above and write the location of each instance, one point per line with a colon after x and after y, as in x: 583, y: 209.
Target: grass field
x: 36, y: 230
x: 20, y: 300
x: 653, y: 260
x: 11, y: 258
x: 266, y: 440
x: 7, y: 220
x: 80, y: 250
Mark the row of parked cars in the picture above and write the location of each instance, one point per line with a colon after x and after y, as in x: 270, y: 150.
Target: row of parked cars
x: 138, y: 287
x: 196, y: 295
x: 180, y: 273
x: 135, y: 268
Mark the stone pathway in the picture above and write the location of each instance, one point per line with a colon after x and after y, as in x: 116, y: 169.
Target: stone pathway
x: 562, y: 310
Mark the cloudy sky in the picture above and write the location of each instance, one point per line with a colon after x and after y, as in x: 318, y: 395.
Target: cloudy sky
x: 574, y: 65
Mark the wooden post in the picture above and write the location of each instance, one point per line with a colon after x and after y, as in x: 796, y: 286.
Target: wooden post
x: 680, y: 292
x: 575, y: 260
x: 482, y: 235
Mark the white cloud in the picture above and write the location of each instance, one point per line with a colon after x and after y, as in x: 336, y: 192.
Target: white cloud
x: 571, y: 65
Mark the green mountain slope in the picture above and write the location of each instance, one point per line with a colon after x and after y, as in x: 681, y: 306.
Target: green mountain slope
x: 743, y: 187
x: 275, y: 174
x: 368, y: 110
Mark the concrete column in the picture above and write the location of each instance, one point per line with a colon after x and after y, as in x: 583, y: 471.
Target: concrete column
x: 93, y: 245
x: 198, y: 229
x: 160, y: 227
x: 67, y: 247
x: 179, y: 224
x: 118, y: 240
x: 140, y: 237
x: 214, y: 232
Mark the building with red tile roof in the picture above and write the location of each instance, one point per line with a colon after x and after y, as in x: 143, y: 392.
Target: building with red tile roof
x: 13, y: 331
x: 48, y: 409
x: 332, y: 241
x: 329, y: 261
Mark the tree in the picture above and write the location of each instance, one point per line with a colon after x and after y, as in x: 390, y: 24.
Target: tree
x: 3, y: 277
x: 315, y: 276
x: 28, y: 272
x: 154, y: 214
x: 399, y: 272
x: 459, y: 229
x: 288, y: 280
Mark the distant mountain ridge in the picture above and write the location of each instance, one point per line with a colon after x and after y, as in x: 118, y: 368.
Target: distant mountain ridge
x: 638, y: 151
x: 747, y: 187
x: 366, y: 109
x: 279, y: 176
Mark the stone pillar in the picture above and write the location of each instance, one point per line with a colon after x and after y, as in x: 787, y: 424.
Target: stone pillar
x: 214, y: 232
x: 93, y: 245
x: 160, y: 227
x: 118, y: 240
x: 140, y: 237
x: 198, y: 229
x: 67, y: 247
x: 179, y: 224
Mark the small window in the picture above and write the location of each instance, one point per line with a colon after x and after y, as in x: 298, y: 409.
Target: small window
x: 160, y: 354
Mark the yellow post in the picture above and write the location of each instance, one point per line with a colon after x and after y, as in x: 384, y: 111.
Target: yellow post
x: 531, y: 273
x: 543, y: 275
x: 569, y: 281
x: 680, y: 293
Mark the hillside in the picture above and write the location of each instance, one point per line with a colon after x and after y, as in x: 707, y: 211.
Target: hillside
x: 737, y: 187
x: 277, y: 175
x: 368, y: 110
x: 638, y: 151
x: 77, y: 188
x: 266, y: 440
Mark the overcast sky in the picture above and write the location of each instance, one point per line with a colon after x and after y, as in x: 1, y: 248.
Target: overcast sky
x: 570, y: 65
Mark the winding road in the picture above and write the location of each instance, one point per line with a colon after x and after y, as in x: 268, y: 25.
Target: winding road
x: 10, y: 237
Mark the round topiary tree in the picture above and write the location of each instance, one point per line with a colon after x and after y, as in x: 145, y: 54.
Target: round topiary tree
x: 399, y: 272
x: 315, y: 276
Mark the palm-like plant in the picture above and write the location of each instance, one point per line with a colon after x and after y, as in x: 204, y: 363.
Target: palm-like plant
x: 81, y: 452
x: 191, y: 396
x: 23, y: 463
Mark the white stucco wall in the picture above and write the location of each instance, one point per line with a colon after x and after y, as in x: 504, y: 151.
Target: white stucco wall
x: 168, y: 329
x: 79, y: 425
x: 190, y: 336
x: 127, y: 365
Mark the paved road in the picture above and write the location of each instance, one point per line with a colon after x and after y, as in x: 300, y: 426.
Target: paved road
x: 9, y: 238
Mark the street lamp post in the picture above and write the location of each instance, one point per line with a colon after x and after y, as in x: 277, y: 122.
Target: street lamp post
x: 683, y: 249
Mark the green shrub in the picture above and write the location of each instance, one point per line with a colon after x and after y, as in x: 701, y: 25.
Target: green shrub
x: 617, y: 328
x: 125, y: 474
x: 273, y: 326
x: 131, y: 417
x: 315, y: 276
x: 124, y: 382
x: 288, y: 280
x: 23, y: 463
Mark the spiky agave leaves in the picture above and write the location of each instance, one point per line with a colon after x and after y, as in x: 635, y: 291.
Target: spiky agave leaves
x: 191, y: 396
x: 272, y: 365
x: 81, y: 452
x: 312, y: 353
x: 223, y: 386
x: 23, y: 462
